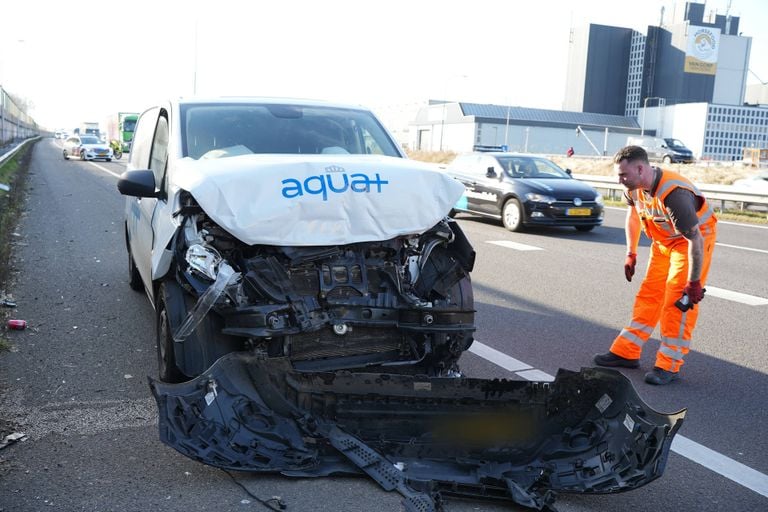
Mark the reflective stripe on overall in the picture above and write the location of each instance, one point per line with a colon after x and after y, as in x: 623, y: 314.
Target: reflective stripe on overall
x: 665, y: 278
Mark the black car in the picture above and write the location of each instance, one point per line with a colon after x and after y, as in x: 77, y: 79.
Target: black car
x: 525, y: 190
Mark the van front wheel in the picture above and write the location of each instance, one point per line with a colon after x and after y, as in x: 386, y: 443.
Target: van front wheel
x: 667, y: 159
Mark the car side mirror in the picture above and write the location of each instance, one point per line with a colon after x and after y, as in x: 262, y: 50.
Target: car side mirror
x: 569, y: 172
x: 490, y: 173
x: 137, y: 184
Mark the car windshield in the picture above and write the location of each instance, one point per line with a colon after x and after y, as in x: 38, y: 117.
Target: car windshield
x: 89, y: 140
x: 674, y: 143
x: 531, y: 167
x: 220, y: 130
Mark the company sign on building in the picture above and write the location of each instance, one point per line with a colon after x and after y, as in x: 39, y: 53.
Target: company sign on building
x: 701, y: 50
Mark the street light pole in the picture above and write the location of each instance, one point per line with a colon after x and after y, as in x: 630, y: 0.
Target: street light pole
x: 506, y: 130
x: 645, y: 105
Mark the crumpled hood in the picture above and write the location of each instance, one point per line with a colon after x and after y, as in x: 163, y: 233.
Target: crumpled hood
x: 306, y: 200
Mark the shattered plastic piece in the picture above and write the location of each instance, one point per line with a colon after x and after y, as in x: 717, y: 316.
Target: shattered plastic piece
x: 7, y: 303
x: 516, y: 440
x: 205, y: 303
x: 12, y: 438
x: 5, y: 187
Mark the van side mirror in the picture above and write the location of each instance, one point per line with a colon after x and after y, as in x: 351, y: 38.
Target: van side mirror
x: 137, y: 184
x: 490, y: 173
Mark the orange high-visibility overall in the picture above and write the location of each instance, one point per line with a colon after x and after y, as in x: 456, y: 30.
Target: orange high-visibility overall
x: 665, y: 277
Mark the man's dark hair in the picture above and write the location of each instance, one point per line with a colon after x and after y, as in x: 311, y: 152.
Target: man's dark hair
x: 630, y: 154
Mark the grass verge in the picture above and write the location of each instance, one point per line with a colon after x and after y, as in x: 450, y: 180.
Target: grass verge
x: 13, y: 172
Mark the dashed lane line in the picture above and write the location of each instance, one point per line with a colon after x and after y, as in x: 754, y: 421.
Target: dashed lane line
x: 741, y: 247
x: 498, y: 358
x: 514, y: 245
x: 700, y: 454
x: 104, y: 169
x: 712, y: 291
x: 749, y: 300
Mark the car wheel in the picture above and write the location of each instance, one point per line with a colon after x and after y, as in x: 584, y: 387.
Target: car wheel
x: 166, y: 353
x: 82, y: 156
x: 667, y: 159
x: 512, y: 215
x: 584, y: 228
x: 66, y: 156
x: 108, y: 159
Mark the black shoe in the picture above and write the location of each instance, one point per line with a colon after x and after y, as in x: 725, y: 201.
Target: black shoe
x: 660, y: 377
x: 611, y: 359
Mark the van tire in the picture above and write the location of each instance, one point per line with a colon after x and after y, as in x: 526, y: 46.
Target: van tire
x: 167, y: 369
x: 667, y: 159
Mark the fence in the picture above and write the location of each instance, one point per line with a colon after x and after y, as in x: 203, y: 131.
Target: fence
x: 14, y: 124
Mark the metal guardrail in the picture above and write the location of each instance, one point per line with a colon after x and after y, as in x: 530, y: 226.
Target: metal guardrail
x: 720, y: 193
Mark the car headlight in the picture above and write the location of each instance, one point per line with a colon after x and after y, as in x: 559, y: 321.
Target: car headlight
x: 599, y: 198
x: 539, y: 198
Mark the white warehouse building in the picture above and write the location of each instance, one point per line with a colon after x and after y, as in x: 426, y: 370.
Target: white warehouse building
x: 463, y: 127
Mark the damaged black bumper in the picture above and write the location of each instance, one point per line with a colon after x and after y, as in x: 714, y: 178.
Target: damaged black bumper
x: 586, y: 432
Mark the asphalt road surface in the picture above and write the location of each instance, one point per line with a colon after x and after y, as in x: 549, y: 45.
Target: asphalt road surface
x: 75, y: 381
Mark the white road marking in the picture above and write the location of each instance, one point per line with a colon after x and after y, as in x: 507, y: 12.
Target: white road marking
x: 741, y: 247
x: 742, y: 224
x: 535, y: 375
x: 498, y: 358
x: 721, y: 293
x: 729, y: 468
x: 104, y: 169
x: 514, y: 245
x: 700, y: 454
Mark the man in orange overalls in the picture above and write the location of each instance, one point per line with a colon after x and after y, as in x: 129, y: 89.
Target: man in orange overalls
x: 677, y: 218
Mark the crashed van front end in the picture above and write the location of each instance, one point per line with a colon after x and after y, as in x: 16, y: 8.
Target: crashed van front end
x: 586, y: 432
x: 385, y: 294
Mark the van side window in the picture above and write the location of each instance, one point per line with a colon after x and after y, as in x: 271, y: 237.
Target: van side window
x: 142, y: 139
x: 159, y: 155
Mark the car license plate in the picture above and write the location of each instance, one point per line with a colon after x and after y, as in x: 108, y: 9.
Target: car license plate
x: 578, y: 211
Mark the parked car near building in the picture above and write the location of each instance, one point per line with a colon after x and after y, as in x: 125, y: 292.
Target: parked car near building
x: 87, y: 147
x: 667, y: 150
x: 524, y: 190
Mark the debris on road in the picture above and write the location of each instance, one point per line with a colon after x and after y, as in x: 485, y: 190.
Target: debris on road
x: 12, y: 438
x: 18, y: 325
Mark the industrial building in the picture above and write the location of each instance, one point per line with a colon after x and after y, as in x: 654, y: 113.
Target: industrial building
x: 685, y: 78
x: 461, y: 127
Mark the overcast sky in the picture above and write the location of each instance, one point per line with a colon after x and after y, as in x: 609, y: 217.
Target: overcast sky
x: 80, y: 62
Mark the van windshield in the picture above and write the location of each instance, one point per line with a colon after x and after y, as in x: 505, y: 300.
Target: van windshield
x: 218, y: 130
x: 674, y: 143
